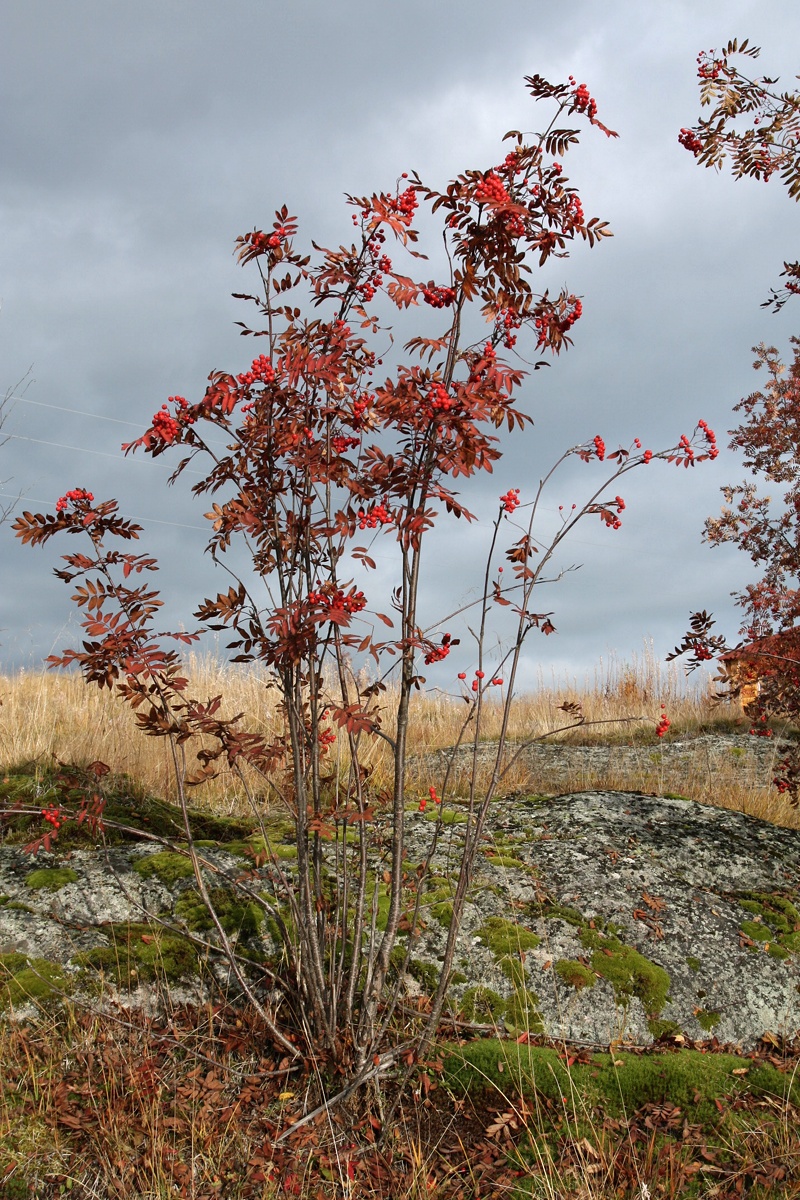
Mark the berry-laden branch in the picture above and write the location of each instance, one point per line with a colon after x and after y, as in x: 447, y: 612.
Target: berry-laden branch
x: 754, y: 126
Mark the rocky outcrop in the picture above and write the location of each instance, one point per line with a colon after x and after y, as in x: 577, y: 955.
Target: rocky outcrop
x: 596, y: 917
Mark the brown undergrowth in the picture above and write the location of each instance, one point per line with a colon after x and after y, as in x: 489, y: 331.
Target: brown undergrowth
x: 194, y: 1105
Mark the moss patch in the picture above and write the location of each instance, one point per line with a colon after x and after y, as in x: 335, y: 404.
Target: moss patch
x: 236, y: 913
x: 776, y: 921
x: 628, y: 971
x: 504, y: 937
x: 167, y: 866
x: 574, y: 974
x: 20, y: 983
x: 139, y: 953
x: 619, y: 1084
x: 52, y: 878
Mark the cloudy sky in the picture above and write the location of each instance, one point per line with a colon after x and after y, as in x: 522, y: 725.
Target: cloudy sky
x: 138, y: 140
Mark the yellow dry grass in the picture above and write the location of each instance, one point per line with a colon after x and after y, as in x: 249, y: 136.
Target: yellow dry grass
x: 45, y: 715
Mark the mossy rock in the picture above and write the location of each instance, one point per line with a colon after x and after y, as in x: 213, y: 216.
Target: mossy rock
x: 36, y: 785
x: 629, y: 972
x: 51, y: 878
x: 551, y: 911
x: 708, y: 1019
x: 574, y: 974
x: 21, y: 983
x: 777, y: 921
x: 482, y: 1004
x: 139, y: 953
x: 504, y: 937
x: 166, y: 866
x: 236, y: 913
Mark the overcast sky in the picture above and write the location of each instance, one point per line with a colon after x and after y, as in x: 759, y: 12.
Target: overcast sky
x: 139, y: 139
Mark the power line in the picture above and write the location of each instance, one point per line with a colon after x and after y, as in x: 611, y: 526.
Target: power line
x: 76, y: 412
x: 142, y: 462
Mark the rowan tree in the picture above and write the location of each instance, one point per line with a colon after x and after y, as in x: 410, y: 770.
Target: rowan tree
x: 328, y: 454
x: 766, y: 526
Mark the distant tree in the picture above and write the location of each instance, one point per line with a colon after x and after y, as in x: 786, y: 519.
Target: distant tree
x: 767, y: 527
x: 757, y: 128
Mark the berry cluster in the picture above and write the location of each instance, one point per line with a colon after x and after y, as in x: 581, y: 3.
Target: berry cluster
x: 439, y: 398
x: 325, y: 738
x: 575, y: 214
x: 710, y: 437
x: 52, y: 815
x: 663, y: 724
x: 708, y: 67
x: 261, y: 371
x: 492, y: 190
x: 582, y: 101
x: 609, y: 512
x: 340, y: 445
x: 479, y: 675
x: 76, y: 495
x: 439, y: 652
x: 481, y: 363
x: 352, y: 602
x: 507, y: 320
x: 690, y: 141
x: 405, y: 206
x: 548, y: 319
x: 361, y: 405
x: 165, y: 425
x: 377, y: 515
x: 423, y: 804
x: 438, y: 297
x: 510, y: 500
x: 599, y: 447
x: 262, y: 242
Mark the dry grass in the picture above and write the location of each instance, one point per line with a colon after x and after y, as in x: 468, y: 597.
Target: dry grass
x: 46, y: 715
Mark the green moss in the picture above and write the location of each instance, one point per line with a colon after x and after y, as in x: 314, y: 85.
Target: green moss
x: 449, y: 816
x: 52, y: 878
x: 504, y: 937
x: 628, y: 971
x: 482, y: 1004
x: 21, y: 983
x: 457, y: 977
x: 522, y: 1012
x: 139, y: 953
x: 660, y: 1028
x: 426, y: 974
x: 756, y: 931
x: 708, y: 1018
x: 777, y: 923
x: 693, y: 964
x: 236, y: 913
x: 505, y: 860
x: 617, y: 1085
x: 167, y: 866
x: 556, y: 912
x: 575, y: 974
